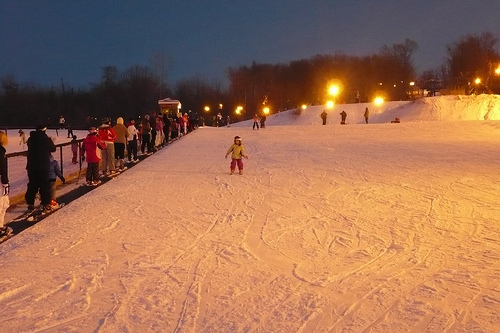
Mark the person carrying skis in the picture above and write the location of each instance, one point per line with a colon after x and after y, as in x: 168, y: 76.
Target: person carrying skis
x: 238, y: 152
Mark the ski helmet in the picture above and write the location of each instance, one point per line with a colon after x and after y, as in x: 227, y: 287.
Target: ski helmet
x: 237, y: 138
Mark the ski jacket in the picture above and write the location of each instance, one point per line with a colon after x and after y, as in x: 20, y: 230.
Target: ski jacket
x: 39, y: 148
x: 54, y: 170
x: 121, y: 133
x: 238, y: 151
x: 132, y: 132
x: 3, y: 166
x: 146, y: 126
x: 91, y: 143
x: 107, y: 134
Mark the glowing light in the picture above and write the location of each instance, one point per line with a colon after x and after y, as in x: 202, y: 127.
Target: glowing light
x: 266, y: 110
x: 412, y: 83
x: 378, y: 100
x: 497, y: 71
x: 330, y: 104
x: 220, y: 106
x: 478, y: 81
x: 304, y: 106
x: 207, y: 108
x: 334, y: 90
x: 238, y: 110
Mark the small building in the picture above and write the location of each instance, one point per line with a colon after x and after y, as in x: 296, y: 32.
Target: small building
x: 170, y: 107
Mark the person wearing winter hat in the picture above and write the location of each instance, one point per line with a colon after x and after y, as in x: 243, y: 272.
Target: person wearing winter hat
x: 120, y: 142
x: 92, y: 147
x: 107, y: 135
x: 38, y: 164
x: 237, y: 151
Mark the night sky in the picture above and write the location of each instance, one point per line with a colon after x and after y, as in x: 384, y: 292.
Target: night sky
x: 45, y: 41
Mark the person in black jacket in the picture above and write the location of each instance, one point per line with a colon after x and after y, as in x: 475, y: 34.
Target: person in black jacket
x: 40, y: 146
x: 4, y: 187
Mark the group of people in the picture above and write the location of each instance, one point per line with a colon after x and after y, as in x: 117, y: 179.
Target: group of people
x: 106, y: 145
x: 343, y: 116
x: 257, y: 120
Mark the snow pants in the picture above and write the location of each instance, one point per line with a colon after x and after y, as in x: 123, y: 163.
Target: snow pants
x: 38, y: 181
x: 132, y: 150
x: 108, y: 157
x: 238, y: 161
x: 92, y: 172
x: 4, y: 204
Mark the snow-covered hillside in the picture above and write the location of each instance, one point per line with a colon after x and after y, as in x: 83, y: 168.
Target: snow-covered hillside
x: 374, y: 227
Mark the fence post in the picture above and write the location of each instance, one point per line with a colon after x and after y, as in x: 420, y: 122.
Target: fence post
x: 61, y: 154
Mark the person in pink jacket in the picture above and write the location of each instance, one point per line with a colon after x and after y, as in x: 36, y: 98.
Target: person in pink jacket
x: 92, y: 146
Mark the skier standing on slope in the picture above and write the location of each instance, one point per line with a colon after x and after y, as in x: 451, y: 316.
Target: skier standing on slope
x: 238, y: 152
x: 93, y: 146
x: 38, y: 164
x: 4, y: 189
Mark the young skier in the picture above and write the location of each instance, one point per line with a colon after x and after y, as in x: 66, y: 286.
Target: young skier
x: 93, y: 146
x: 238, y: 152
x: 74, y: 150
x: 4, y: 187
x: 54, y: 172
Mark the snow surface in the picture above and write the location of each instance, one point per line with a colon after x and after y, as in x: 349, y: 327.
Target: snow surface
x: 358, y: 228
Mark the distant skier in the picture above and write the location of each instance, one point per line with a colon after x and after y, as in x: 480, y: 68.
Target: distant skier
x: 263, y: 121
x: 323, y: 116
x: 22, y: 135
x: 74, y: 150
x: 237, y: 151
x: 366, y: 115
x: 255, y: 121
x: 343, y: 116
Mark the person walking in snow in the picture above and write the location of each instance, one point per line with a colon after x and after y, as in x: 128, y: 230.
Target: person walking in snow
x: 54, y: 173
x: 120, y: 142
x: 38, y: 164
x: 22, y: 135
x: 237, y: 151
x: 108, y: 135
x: 5, y: 187
x: 366, y: 115
x: 323, y: 116
x: 343, y: 117
x: 92, y: 146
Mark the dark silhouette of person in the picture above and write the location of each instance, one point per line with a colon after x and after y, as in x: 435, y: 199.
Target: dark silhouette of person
x: 366, y: 115
x: 343, y: 116
x: 40, y: 146
x: 323, y: 116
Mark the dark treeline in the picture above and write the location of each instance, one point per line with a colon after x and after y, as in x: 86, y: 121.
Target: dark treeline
x: 136, y: 91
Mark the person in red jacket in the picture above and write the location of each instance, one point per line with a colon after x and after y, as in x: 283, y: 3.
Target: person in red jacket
x: 92, y: 146
x: 108, y: 135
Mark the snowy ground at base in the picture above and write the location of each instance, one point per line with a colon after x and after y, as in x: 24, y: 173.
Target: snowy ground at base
x: 358, y: 228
